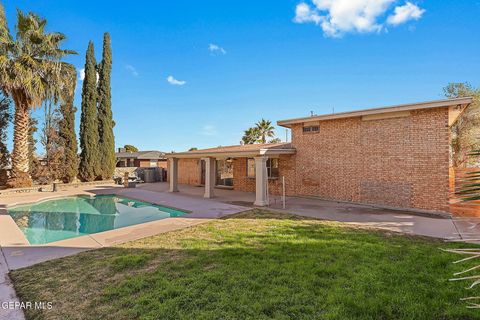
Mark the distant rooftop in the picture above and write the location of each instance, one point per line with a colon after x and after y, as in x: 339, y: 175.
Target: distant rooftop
x: 146, y: 155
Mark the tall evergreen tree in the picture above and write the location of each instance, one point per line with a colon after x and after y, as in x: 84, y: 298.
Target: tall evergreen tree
x: 105, y: 118
x: 89, y: 168
x: 5, y: 117
x: 68, y: 137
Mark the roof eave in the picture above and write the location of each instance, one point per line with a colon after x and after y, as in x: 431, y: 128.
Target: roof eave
x: 230, y: 154
x: 406, y: 107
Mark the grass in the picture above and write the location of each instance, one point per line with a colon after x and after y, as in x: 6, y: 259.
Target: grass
x: 255, y: 265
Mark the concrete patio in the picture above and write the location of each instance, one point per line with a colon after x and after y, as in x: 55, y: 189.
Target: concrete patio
x: 365, y: 215
x: 16, y: 252
x: 19, y: 253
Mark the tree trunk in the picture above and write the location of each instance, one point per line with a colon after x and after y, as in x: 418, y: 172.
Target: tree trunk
x: 20, y: 161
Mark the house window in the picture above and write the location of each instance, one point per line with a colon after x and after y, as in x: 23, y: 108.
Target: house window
x: 272, y: 168
x: 250, y: 168
x: 224, y: 174
x: 311, y: 129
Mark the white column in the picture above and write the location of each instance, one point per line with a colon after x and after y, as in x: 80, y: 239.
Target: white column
x: 209, y: 177
x: 261, y: 181
x: 173, y: 172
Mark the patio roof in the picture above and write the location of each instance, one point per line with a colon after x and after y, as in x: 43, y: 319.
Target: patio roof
x: 460, y: 102
x: 247, y: 150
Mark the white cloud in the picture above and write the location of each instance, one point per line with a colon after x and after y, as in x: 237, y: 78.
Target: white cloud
x: 337, y: 17
x: 175, y: 82
x: 215, y: 48
x: 303, y: 13
x: 402, y: 14
x: 209, y: 130
x: 132, y: 70
x: 81, y: 74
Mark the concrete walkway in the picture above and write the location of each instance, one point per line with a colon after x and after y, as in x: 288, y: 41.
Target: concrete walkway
x: 364, y: 215
x: 7, y: 294
x: 17, y: 253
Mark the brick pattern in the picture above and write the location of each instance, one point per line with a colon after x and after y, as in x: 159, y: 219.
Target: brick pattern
x: 141, y: 163
x: 286, y: 167
x: 400, y: 162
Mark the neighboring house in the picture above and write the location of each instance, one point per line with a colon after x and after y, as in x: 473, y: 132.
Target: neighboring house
x: 393, y: 157
x: 140, y: 159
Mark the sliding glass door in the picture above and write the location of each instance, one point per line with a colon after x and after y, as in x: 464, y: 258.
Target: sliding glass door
x: 224, y: 174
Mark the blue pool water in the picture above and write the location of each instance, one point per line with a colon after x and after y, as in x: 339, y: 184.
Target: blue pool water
x: 71, y: 217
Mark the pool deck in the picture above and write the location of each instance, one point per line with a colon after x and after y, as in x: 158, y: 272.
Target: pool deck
x: 17, y: 253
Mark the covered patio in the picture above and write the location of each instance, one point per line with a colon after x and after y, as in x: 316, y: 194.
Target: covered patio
x: 258, y: 166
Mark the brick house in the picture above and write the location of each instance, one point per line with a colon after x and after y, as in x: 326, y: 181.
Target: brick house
x: 391, y: 157
x: 140, y: 159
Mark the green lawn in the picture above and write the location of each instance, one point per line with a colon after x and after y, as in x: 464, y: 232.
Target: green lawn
x: 256, y: 265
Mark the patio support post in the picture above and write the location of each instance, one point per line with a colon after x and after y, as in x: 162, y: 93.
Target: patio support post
x: 261, y: 181
x: 209, y: 177
x: 173, y: 172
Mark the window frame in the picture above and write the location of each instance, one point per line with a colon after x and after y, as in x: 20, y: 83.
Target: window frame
x: 311, y: 129
x: 272, y: 166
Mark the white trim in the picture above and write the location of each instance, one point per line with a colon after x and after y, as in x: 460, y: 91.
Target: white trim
x: 403, y: 107
x: 232, y: 154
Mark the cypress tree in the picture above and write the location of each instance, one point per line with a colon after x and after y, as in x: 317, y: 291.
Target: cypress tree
x: 68, y: 137
x: 89, y: 168
x: 5, y: 118
x: 105, y: 118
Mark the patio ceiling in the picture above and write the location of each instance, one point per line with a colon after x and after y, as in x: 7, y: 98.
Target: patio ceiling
x: 248, y: 150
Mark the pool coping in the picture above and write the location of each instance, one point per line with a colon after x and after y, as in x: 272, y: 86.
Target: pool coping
x: 6, y: 226
x: 4, y: 210
x: 20, y: 253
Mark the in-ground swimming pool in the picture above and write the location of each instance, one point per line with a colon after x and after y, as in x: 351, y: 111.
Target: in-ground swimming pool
x: 71, y: 217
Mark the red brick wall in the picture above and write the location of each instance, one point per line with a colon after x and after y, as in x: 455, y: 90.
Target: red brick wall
x: 286, y: 167
x: 146, y: 163
x: 188, y: 173
x: 400, y: 162
x: 162, y: 164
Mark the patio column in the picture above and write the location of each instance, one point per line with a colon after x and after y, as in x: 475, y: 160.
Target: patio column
x: 261, y: 181
x: 209, y: 177
x: 173, y: 172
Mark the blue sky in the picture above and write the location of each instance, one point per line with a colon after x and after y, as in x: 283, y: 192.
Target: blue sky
x: 274, y: 59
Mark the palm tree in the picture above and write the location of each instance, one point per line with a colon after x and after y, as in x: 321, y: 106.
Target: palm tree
x: 250, y: 136
x: 265, y: 129
x: 31, y: 72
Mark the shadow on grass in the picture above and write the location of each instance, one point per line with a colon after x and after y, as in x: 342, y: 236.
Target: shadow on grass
x: 259, y: 214
x: 252, y: 269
